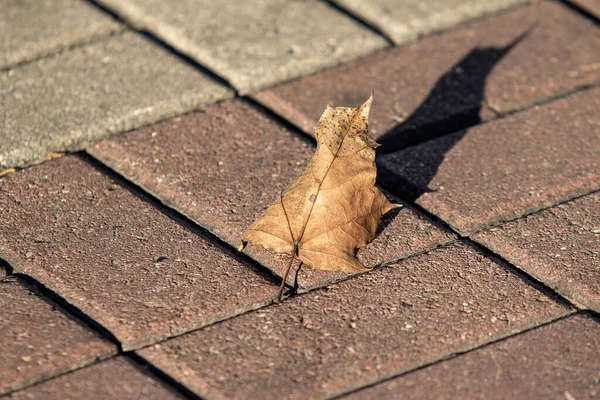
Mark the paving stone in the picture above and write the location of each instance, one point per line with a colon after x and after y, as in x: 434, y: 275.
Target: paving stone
x: 253, y: 44
x: 359, y: 331
x: 559, y: 246
x: 34, y: 28
x: 592, y: 6
x: 63, y: 102
x: 408, y: 20
x: 119, y: 378
x: 503, y: 169
x: 557, y: 361
x: 446, y: 82
x: 223, y: 166
x: 143, y: 274
x: 38, y: 339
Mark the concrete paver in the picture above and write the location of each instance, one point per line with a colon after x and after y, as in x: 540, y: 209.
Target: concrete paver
x: 253, y: 44
x: 62, y: 103
x: 557, y: 361
x: 142, y: 274
x: 559, y: 246
x: 407, y: 20
x: 34, y: 28
x: 506, y: 168
x: 359, y: 331
x: 591, y: 6
x: 446, y: 82
x: 119, y: 378
x: 223, y: 166
x: 38, y: 339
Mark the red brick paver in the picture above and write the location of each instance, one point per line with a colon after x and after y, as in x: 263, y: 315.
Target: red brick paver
x: 223, y: 166
x: 117, y: 379
x: 38, y: 340
x: 140, y: 273
x: 358, y: 331
x: 443, y: 82
x: 557, y: 361
x: 559, y: 246
x: 504, y: 169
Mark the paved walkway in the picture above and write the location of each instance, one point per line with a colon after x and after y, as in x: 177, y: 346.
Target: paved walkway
x: 139, y: 138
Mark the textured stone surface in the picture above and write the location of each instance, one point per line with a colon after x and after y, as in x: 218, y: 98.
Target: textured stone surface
x: 404, y: 21
x: 559, y: 246
x: 592, y: 6
x: 223, y: 167
x: 143, y: 274
x: 446, y: 82
x: 253, y: 44
x: 557, y: 361
x: 38, y: 339
x: 506, y: 168
x: 63, y: 102
x: 358, y: 331
x: 119, y: 378
x: 34, y: 28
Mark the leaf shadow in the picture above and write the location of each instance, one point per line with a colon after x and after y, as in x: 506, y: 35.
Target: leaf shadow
x: 453, y: 106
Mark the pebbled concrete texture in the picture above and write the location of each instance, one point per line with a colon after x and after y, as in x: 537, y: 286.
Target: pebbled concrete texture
x: 224, y: 165
x: 407, y: 20
x: 64, y: 102
x: 34, y: 28
x: 560, y: 360
x: 253, y: 44
x: 559, y: 246
x: 142, y: 273
x: 504, y: 169
x: 38, y: 339
x: 357, y: 332
x: 119, y: 378
x: 448, y: 81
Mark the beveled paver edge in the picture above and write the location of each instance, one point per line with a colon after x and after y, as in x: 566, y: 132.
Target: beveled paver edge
x: 210, y: 393
x: 552, y: 281
x: 60, y: 49
x: 412, y: 37
x: 171, y: 203
x: 94, y: 311
x: 61, y: 371
x: 172, y: 37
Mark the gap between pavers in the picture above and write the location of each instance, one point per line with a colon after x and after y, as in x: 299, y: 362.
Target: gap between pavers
x: 140, y: 271
x: 503, y: 169
x: 359, y: 331
x: 454, y: 80
x: 223, y: 165
x: 409, y: 20
x: 557, y: 360
x: 42, y: 27
x: 68, y: 100
x: 253, y: 44
x: 39, y: 340
x: 118, y: 378
x: 559, y: 246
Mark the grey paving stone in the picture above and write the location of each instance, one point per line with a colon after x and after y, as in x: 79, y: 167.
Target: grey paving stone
x: 33, y: 28
x: 257, y: 43
x: 62, y: 103
x: 405, y: 21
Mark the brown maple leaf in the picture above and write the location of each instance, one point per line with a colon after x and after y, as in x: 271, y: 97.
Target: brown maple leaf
x: 333, y: 208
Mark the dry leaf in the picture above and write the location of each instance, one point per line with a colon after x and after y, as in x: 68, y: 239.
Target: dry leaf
x: 333, y: 208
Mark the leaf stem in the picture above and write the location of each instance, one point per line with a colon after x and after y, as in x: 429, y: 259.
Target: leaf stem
x: 287, y: 272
